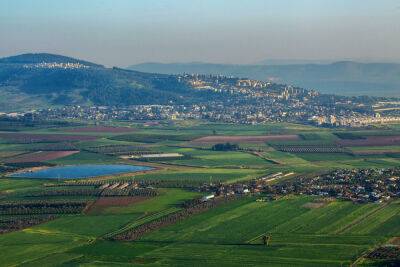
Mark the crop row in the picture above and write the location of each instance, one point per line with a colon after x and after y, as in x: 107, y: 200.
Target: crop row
x: 96, y: 192
x: 154, y: 138
x: 118, y: 149
x: 14, y: 223
x: 160, y: 183
x: 41, y: 208
x: 169, y: 219
x: 311, y: 149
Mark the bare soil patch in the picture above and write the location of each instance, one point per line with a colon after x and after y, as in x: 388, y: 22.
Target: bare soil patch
x: 41, y: 138
x: 105, y: 202
x: 395, y: 241
x: 40, y: 156
x: 375, y: 152
x: 318, y: 203
x: 314, y: 205
x: 372, y: 141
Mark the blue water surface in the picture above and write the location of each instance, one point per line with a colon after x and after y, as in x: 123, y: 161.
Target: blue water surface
x: 80, y: 171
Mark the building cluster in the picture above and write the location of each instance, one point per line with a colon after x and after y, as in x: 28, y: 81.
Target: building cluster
x: 55, y: 65
x: 354, y: 121
x: 357, y: 185
x: 257, y: 185
x: 243, y: 101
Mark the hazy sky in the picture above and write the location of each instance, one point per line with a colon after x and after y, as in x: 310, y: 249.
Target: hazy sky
x: 124, y: 32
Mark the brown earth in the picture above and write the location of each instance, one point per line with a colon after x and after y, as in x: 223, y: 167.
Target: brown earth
x: 375, y: 152
x: 105, y: 202
x: 38, y: 138
x: 371, y: 141
x: 40, y: 156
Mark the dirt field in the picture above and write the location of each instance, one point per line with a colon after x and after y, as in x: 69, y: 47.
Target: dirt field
x: 105, y: 202
x: 99, y: 129
x: 314, y: 205
x: 40, y: 156
x: 246, y: 138
x: 372, y: 141
x: 40, y: 138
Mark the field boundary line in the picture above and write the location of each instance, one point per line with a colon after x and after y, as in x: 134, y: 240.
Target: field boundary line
x: 358, y: 220
x: 140, y: 221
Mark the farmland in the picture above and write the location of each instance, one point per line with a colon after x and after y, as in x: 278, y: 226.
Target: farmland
x: 245, y: 139
x: 101, y: 129
x: 331, y: 235
x: 76, y: 222
x: 41, y: 156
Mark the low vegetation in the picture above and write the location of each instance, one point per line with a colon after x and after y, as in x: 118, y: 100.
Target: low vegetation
x: 163, y: 213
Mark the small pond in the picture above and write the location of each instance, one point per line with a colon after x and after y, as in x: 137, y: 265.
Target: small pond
x: 80, y: 171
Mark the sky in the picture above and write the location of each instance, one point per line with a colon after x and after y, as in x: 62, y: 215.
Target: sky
x: 126, y: 32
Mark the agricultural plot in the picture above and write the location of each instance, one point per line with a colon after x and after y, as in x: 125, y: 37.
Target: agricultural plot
x: 371, y: 141
x: 84, y: 157
x: 334, y: 234
x: 200, y: 175
x: 101, y: 129
x: 99, y: 205
x: 54, y: 239
x: 69, y: 223
x: 118, y: 149
x: 244, y: 139
x: 153, y: 138
x: 209, y: 158
x: 26, y: 138
x: 375, y: 150
x: 310, y: 149
x: 327, y: 156
x: 20, y: 185
x: 40, y: 156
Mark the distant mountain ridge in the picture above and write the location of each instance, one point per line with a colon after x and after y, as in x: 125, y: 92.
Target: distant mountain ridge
x: 292, y: 61
x: 344, y: 77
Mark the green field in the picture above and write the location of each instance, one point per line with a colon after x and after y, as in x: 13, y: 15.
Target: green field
x: 336, y: 234
x: 32, y: 245
x: 333, y: 235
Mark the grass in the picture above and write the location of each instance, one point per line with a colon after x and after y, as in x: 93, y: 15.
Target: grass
x: 201, y: 174
x: 168, y: 198
x: 376, y: 149
x: 84, y: 157
x: 325, y: 156
x: 230, y: 236
x: 54, y: 240
x: 11, y: 185
x: 209, y: 158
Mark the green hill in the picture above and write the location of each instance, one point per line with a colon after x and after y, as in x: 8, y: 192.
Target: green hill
x: 39, y: 80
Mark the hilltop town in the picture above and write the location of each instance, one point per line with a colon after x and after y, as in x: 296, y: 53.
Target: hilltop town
x: 243, y: 101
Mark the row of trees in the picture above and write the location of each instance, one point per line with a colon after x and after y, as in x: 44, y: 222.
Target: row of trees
x: 225, y: 147
x: 96, y: 192
x: 193, y: 208
x: 15, y: 223
x: 41, y: 208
